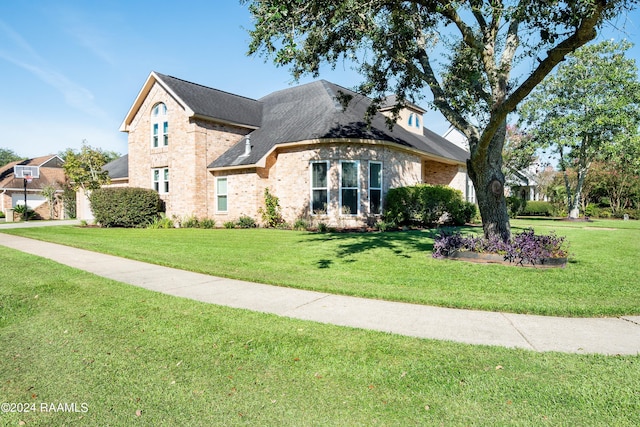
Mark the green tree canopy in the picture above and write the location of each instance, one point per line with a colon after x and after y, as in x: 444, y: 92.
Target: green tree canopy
x: 588, y: 110
x: 464, y: 52
x: 7, y: 156
x: 84, y: 166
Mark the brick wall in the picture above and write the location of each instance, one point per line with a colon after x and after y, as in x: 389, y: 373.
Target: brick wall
x: 193, y: 144
x: 288, y: 177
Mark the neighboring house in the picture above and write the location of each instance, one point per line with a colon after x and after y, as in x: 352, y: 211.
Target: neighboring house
x: 525, y: 184
x: 12, y: 189
x: 210, y: 153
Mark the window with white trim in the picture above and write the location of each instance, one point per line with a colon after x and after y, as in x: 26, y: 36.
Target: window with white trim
x: 319, y: 187
x: 160, y: 179
x: 375, y: 187
x: 222, y: 195
x: 414, y: 120
x: 349, y: 187
x: 159, y: 126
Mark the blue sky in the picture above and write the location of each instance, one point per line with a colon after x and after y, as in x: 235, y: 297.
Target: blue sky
x: 70, y: 70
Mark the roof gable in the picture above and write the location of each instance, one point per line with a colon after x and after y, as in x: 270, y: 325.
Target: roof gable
x: 51, y: 172
x: 200, y: 101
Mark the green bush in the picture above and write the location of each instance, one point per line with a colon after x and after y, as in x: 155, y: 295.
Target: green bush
x: 124, y: 206
x: 190, y: 222
x: 515, y: 205
x: 229, y: 224
x: 161, y: 222
x: 426, y: 205
x: 534, y: 208
x: 271, y: 214
x: 208, y: 223
x: 246, y: 222
x: 301, y: 224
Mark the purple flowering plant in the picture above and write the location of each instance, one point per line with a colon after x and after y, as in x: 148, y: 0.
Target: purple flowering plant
x: 524, y: 248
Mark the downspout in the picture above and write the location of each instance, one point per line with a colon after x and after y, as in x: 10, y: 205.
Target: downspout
x: 2, y: 197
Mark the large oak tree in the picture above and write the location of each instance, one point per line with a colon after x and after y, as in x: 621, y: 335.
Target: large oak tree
x: 463, y: 51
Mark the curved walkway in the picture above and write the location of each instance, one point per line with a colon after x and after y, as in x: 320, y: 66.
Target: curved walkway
x: 538, y: 333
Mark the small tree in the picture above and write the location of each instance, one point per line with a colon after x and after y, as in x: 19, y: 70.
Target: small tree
x: 84, y: 167
x: 271, y: 216
x: 50, y: 193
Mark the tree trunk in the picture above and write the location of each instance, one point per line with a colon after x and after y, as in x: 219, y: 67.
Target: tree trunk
x: 486, y: 174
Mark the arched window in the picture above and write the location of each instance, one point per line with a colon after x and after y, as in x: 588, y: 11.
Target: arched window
x: 159, y: 126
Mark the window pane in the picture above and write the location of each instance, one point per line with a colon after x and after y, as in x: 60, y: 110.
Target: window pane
x: 222, y: 203
x: 166, y: 133
x: 156, y: 175
x: 319, y: 178
x: 349, y: 174
x: 166, y: 186
x: 375, y: 202
x: 166, y: 174
x: 319, y: 202
x: 222, y: 186
x: 375, y: 175
x: 350, y: 202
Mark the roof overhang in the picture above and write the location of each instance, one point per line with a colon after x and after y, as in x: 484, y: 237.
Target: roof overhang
x: 263, y: 160
x: 142, y: 95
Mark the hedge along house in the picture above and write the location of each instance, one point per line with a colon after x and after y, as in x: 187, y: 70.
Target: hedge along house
x: 211, y: 153
x: 51, y: 175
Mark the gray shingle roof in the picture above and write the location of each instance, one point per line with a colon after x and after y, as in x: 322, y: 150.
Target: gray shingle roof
x: 118, y: 168
x: 311, y: 111
x: 215, y: 104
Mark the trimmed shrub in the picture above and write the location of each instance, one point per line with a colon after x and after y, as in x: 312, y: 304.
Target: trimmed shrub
x: 534, y: 208
x: 426, y: 205
x: 515, y: 205
x: 229, y: 224
x: 124, y: 206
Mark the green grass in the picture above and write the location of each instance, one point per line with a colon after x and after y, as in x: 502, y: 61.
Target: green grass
x: 601, y: 278
x: 67, y: 336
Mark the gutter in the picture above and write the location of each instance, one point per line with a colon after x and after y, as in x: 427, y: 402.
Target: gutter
x: 262, y: 162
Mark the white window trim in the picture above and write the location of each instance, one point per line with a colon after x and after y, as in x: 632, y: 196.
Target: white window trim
x: 226, y: 179
x: 312, y: 188
x: 373, y: 162
x: 161, y: 181
x: 159, y: 119
x: 357, y: 162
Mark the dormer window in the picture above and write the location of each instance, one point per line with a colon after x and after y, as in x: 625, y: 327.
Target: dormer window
x: 159, y: 126
x: 414, y: 120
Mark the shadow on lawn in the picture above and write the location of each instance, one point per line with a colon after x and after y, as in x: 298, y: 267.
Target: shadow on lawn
x: 401, y: 243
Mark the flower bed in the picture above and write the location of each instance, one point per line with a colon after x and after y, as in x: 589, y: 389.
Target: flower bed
x: 524, y: 249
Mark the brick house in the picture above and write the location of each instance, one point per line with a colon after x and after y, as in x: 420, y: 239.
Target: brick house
x: 12, y: 188
x: 210, y: 153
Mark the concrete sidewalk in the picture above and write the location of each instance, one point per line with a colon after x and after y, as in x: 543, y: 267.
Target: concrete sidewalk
x: 539, y: 333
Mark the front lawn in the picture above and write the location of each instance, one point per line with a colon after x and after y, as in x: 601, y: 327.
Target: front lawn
x: 127, y: 356
x: 601, y: 278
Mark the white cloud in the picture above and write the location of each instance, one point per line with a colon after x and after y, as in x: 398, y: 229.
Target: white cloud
x: 27, y: 58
